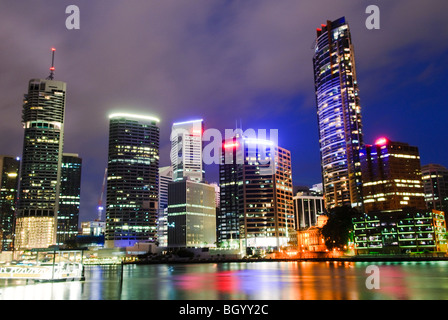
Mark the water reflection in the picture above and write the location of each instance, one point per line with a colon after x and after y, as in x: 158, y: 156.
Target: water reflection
x: 238, y: 281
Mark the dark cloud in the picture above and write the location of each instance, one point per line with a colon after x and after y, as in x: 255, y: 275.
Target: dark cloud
x: 219, y: 60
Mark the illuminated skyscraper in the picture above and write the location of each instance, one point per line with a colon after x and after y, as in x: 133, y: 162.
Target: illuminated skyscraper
x: 9, y: 182
x: 391, y: 176
x: 38, y: 205
x: 191, y: 214
x: 186, y: 150
x: 256, y: 194
x: 70, y: 197
x: 132, y: 180
x: 165, y: 177
x: 435, y: 180
x: 339, y: 114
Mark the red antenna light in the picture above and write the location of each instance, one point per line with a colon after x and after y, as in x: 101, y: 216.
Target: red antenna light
x: 51, y: 76
x: 381, y: 141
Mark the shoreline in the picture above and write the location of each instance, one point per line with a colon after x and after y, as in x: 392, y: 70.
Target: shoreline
x: 323, y: 259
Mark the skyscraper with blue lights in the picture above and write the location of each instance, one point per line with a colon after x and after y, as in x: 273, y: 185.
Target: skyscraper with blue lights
x: 338, y: 113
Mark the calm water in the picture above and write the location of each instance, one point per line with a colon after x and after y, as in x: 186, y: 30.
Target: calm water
x: 244, y: 281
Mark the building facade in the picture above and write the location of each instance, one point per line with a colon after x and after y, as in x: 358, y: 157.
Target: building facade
x: 435, y: 183
x: 308, y: 206
x: 338, y: 114
x: 256, y: 195
x: 391, y: 175
x: 186, y: 150
x: 400, y: 231
x: 70, y: 197
x: 165, y: 177
x: 39, y: 189
x: 9, y: 182
x: 191, y: 214
x: 132, y: 192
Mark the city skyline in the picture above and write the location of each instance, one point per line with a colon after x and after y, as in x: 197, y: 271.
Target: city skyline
x: 258, y: 82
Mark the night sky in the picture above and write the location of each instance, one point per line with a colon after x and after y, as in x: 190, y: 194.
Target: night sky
x: 248, y: 61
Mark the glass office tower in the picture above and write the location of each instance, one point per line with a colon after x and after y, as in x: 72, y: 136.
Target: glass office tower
x: 256, y: 195
x: 132, y: 180
x: 186, y: 150
x: 391, y: 176
x: 191, y: 214
x: 43, y: 120
x: 339, y: 114
x: 9, y: 182
x: 435, y: 181
x: 70, y: 197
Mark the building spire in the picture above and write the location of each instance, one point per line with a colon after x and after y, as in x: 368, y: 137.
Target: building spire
x: 51, y: 76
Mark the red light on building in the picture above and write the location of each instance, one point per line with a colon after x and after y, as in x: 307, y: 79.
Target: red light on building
x: 53, y: 49
x: 52, y: 68
x: 381, y: 141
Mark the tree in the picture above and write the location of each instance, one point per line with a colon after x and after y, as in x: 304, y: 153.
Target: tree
x: 338, y: 229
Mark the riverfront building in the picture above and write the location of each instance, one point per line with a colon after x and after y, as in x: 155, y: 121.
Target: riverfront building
x: 9, y: 182
x: 338, y: 113
x: 186, y: 150
x: 69, y: 199
x: 256, y: 194
x: 165, y: 178
x: 191, y: 214
x: 391, y: 175
x: 132, y: 180
x: 39, y: 191
x: 400, y: 231
x: 308, y: 205
x: 435, y: 183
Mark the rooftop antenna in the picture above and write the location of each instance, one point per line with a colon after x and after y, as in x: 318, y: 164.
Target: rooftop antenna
x: 51, y: 76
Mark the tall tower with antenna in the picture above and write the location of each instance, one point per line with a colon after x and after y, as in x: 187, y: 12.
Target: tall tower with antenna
x: 43, y: 115
x: 51, y: 76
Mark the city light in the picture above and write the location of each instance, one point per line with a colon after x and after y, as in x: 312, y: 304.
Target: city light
x: 134, y: 116
x: 231, y: 145
x: 185, y: 122
x: 381, y: 141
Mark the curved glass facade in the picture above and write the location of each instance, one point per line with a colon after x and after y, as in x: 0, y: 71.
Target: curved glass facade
x: 339, y: 114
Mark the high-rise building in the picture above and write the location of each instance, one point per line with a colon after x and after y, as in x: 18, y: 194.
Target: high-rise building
x: 191, y: 214
x: 435, y: 182
x: 132, y: 180
x: 256, y: 194
x: 39, y: 188
x: 70, y: 197
x: 338, y: 113
x: 391, y: 175
x: 9, y: 182
x: 308, y: 206
x: 186, y: 150
x: 165, y: 177
x: 400, y: 231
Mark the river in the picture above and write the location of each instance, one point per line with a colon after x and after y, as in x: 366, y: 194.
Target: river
x: 245, y: 281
